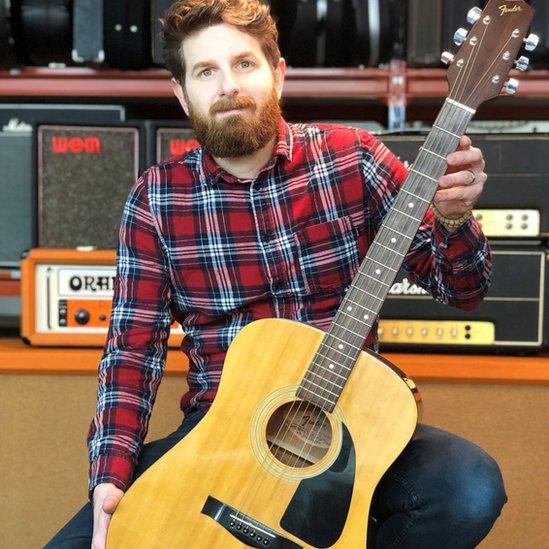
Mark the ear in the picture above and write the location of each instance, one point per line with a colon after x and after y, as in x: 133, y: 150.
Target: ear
x: 279, y: 74
x: 178, y: 92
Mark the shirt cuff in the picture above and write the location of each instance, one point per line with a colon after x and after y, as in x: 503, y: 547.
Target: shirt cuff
x: 470, y: 231
x: 114, y: 468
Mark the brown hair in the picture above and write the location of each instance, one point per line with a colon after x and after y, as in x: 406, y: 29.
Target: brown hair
x: 186, y: 17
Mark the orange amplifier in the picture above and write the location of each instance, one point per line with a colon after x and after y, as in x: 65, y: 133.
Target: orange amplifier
x: 66, y: 297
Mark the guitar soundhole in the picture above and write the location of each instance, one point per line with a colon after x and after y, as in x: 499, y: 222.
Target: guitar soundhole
x: 299, y: 434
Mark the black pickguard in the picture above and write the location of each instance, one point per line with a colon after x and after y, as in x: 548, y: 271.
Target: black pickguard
x: 319, y: 508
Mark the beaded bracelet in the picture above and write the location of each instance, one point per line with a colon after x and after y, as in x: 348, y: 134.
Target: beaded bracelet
x: 448, y: 222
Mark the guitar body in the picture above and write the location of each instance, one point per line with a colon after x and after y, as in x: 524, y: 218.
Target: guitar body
x: 315, y: 493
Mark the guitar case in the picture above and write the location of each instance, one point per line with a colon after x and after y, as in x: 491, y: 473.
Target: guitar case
x: 158, y: 8
x: 42, y: 31
x: 127, y: 37
x: 7, y: 50
x: 87, y: 25
x: 299, y: 29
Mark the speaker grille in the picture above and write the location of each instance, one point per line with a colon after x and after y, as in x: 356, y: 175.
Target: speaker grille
x: 84, y: 176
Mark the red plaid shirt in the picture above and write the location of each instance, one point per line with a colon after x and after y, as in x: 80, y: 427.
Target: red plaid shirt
x: 215, y: 253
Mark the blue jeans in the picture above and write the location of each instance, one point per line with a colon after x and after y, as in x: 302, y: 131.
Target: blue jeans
x: 442, y: 491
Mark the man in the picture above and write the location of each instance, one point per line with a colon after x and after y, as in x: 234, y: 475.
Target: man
x: 235, y: 231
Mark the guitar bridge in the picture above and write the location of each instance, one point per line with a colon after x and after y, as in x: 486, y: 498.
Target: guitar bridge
x: 246, y: 529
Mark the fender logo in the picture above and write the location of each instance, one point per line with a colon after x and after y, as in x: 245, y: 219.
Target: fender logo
x: 505, y: 9
x: 76, y: 145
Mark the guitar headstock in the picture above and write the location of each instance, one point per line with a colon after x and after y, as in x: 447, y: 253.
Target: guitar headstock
x: 480, y: 68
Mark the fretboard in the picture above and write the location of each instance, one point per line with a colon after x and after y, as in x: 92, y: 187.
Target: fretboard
x: 344, y: 340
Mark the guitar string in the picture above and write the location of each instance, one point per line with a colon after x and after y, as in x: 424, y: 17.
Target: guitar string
x: 337, y: 326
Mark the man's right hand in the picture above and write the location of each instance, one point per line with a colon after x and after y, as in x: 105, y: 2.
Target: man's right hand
x: 106, y: 497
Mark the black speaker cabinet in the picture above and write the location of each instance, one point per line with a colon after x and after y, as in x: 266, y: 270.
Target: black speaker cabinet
x: 84, y: 176
x: 518, y: 176
x: 168, y: 138
x: 18, y: 204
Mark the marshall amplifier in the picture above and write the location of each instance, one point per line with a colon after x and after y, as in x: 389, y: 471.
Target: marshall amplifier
x: 168, y: 138
x: 515, y: 200
x: 84, y: 176
x: 511, y: 318
x: 67, y: 297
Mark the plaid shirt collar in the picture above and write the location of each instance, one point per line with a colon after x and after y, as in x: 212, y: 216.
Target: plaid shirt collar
x: 204, y: 163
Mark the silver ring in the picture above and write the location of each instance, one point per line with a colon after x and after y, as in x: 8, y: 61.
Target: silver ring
x: 474, y: 176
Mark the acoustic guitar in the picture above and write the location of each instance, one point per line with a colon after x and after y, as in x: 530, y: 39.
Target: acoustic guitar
x: 305, y: 423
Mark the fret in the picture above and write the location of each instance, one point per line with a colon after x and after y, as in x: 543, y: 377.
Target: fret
x: 368, y: 293
x: 406, y: 214
x: 446, y: 131
x: 386, y: 266
x: 408, y: 237
x: 320, y: 387
x: 346, y: 343
x: 316, y: 395
x: 326, y: 357
x: 415, y: 196
x: 327, y: 370
x: 424, y: 175
x: 387, y: 248
x: 312, y: 372
x: 377, y: 280
x: 460, y: 105
x: 358, y: 319
x: 433, y: 153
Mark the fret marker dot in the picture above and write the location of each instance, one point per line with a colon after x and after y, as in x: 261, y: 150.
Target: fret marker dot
x: 378, y: 271
x: 349, y: 308
x: 331, y: 366
x: 411, y: 205
x: 366, y: 317
x: 340, y: 346
x: 393, y: 240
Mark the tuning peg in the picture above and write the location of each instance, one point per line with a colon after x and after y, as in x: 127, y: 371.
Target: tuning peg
x: 460, y: 36
x: 531, y: 42
x: 474, y: 15
x: 511, y: 86
x: 522, y: 63
x: 447, y: 58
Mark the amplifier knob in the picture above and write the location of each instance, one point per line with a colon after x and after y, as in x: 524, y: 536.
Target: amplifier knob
x: 82, y: 316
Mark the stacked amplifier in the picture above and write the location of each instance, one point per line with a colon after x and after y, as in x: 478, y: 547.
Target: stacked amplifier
x: 514, y: 213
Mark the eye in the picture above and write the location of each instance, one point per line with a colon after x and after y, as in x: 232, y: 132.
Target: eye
x: 205, y: 73
x: 246, y: 64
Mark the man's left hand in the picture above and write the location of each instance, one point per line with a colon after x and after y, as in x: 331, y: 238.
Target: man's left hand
x: 460, y: 187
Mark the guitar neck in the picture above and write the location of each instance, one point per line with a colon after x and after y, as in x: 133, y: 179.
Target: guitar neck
x: 344, y: 340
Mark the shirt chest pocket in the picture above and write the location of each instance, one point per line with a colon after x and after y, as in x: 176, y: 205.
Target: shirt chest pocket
x: 328, y: 255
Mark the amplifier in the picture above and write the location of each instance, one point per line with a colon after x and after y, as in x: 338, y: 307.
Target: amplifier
x: 511, y: 318
x: 66, y: 297
x: 84, y: 176
x: 168, y: 138
x: 515, y: 200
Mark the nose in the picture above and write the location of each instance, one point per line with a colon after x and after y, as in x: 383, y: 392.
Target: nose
x: 228, y: 86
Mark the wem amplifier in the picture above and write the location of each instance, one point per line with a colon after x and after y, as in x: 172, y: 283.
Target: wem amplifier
x: 511, y: 318
x: 167, y: 138
x: 67, y: 297
x: 515, y: 199
x: 85, y: 174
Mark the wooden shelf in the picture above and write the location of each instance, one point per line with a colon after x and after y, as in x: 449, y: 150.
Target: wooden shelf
x: 348, y: 83
x: 18, y: 358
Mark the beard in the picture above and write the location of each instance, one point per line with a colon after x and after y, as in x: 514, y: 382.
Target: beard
x: 240, y: 134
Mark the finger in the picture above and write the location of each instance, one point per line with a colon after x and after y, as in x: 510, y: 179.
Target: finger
x: 472, y: 156
x: 461, y: 194
x: 465, y: 142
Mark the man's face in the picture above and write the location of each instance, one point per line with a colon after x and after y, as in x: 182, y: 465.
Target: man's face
x: 231, y: 92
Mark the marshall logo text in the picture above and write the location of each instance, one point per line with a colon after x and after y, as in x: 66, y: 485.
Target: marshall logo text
x: 405, y: 288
